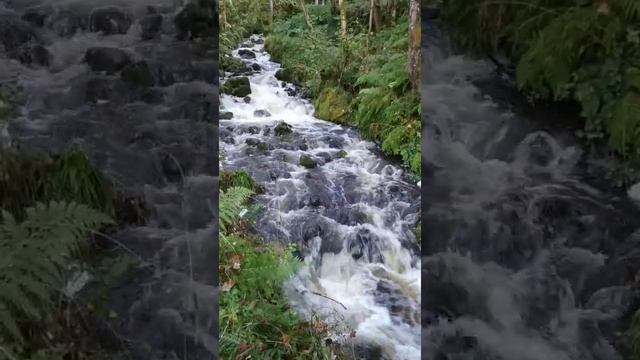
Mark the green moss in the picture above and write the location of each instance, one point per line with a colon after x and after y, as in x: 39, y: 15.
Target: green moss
x: 233, y: 65
x: 226, y: 115
x: 308, y: 162
x: 341, y: 154
x: 239, y: 87
x: 333, y: 104
x: 282, y: 129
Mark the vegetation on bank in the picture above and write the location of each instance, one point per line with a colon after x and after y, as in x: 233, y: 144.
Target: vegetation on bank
x: 53, y: 208
x: 357, y: 74
x: 256, y: 321
x: 585, y: 51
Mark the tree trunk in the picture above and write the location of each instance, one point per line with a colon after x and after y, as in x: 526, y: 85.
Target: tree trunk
x: 413, y: 65
x: 343, y: 18
x: 317, y: 2
x: 271, y: 11
x: 393, y: 11
x: 306, y: 15
x: 377, y: 16
x: 370, y: 17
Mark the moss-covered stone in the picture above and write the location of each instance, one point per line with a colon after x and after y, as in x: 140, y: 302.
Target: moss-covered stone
x: 286, y: 74
x: 308, y: 162
x: 225, y: 115
x: 233, y: 65
x: 239, y: 87
x: 138, y: 74
x: 333, y: 105
x: 282, y: 129
x: 341, y: 154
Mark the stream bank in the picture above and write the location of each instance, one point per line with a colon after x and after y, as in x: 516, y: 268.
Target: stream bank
x: 521, y: 248
x: 350, y: 213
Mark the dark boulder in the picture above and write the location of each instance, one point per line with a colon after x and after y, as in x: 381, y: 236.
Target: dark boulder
x: 109, y: 20
x: 239, y: 87
x: 195, y: 21
x: 138, y: 74
x: 14, y: 33
x: 32, y: 54
x: 307, y: 162
x: 107, y: 59
x: 261, y: 113
x: 246, y: 54
x: 67, y: 23
x: 150, y: 26
x: 282, y: 129
x: 225, y: 115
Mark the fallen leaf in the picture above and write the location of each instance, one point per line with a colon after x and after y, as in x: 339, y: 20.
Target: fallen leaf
x: 227, y: 285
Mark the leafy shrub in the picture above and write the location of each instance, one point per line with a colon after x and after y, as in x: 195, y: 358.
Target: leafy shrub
x: 585, y: 51
x: 255, y: 318
x: 27, y: 178
x: 356, y: 80
x: 34, y: 256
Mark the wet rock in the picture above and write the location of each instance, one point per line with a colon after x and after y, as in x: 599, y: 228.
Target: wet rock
x: 540, y: 151
x: 14, y: 33
x: 266, y: 131
x: 226, y: 115
x: 285, y: 75
x: 194, y: 21
x: 150, y: 26
x: 256, y: 67
x: 234, y: 65
x: 102, y: 88
x: 35, y: 16
x: 138, y: 74
x: 67, y: 23
x: 239, y: 87
x: 261, y: 113
x: 246, y: 54
x: 634, y: 194
x: 246, y: 99
x: 107, y: 59
x: 341, y: 154
x: 32, y: 54
x: 307, y: 161
x: 252, y: 142
x: 303, y: 146
x: 109, y: 20
x: 282, y: 129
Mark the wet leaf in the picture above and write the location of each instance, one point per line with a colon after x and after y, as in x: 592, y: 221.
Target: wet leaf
x: 228, y: 285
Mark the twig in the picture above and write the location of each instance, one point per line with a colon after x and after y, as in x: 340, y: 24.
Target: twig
x: 120, y: 244
x: 326, y: 297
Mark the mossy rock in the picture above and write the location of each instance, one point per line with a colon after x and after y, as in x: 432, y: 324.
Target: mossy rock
x: 333, y: 104
x: 286, y: 74
x: 308, y: 162
x: 239, y: 87
x: 341, y: 154
x: 282, y: 129
x: 233, y: 65
x: 225, y: 115
x: 138, y: 74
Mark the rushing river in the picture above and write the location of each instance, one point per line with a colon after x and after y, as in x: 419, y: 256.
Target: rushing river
x: 121, y: 80
x: 351, y: 213
x: 524, y: 258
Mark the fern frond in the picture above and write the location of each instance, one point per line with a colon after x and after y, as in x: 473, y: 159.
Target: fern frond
x: 231, y: 203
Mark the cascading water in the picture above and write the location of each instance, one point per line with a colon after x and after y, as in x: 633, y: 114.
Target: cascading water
x: 351, y: 213
x: 522, y: 258
x: 120, y: 79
